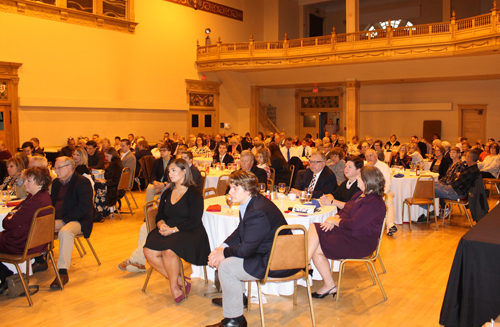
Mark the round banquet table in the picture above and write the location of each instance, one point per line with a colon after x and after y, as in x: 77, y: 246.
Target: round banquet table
x: 219, y: 225
x: 200, y: 160
x: 403, y: 188
x: 213, y: 177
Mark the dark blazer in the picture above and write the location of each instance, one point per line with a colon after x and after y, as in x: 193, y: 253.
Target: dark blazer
x: 82, y: 169
x: 78, y: 202
x: 253, y: 239
x: 112, y: 175
x: 343, y: 194
x: 138, y: 155
x: 422, y: 147
x: 281, y: 174
x: 443, y: 167
x: 326, y: 183
x: 260, y: 173
x: 66, y: 152
x: 157, y: 172
x: 96, y: 161
x: 211, y: 144
x: 227, y: 158
x: 231, y: 150
x: 197, y: 178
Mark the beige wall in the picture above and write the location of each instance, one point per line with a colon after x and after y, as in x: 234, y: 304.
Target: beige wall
x: 288, y: 19
x: 408, y: 123
x: 70, y: 70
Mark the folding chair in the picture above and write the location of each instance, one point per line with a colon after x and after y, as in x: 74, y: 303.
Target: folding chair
x: 422, y: 195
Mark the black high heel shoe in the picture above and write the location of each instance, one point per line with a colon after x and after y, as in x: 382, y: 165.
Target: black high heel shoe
x: 316, y: 295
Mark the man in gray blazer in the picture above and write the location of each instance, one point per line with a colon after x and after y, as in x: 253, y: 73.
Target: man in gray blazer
x: 128, y: 160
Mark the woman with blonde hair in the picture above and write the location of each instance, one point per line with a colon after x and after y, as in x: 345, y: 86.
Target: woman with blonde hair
x: 263, y: 161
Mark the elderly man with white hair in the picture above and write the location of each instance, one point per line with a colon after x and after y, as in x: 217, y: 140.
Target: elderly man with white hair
x: 371, y: 158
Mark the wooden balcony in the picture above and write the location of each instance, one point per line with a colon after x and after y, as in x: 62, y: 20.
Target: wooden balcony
x: 475, y: 35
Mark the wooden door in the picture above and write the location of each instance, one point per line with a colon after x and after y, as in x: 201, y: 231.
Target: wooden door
x: 202, y: 121
x: 309, y: 123
x: 4, y: 112
x: 473, y: 123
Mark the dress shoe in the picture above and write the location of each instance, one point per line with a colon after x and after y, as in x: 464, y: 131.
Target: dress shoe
x: 218, y: 301
x: 180, y: 298
x: 231, y: 322
x: 36, y: 267
x: 392, y: 230
x: 55, y: 284
x: 422, y: 219
x: 322, y: 296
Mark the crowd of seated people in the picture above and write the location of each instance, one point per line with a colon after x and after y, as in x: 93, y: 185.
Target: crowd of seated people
x: 339, y: 174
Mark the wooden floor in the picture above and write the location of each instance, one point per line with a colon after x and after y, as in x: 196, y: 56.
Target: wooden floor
x: 417, y: 263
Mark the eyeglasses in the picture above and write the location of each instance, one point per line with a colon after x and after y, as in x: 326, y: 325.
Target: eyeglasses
x: 163, y: 150
x: 316, y: 162
x: 57, y: 168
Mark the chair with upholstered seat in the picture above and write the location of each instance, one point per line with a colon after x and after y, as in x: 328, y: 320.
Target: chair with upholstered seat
x: 150, y: 212
x: 203, y: 178
x: 369, y: 264
x: 288, y: 252
x: 123, y: 185
x: 461, y: 204
x: 209, y: 192
x: 80, y: 248
x: 292, y: 169
x: 422, y: 195
x: 41, y: 233
x: 222, y: 184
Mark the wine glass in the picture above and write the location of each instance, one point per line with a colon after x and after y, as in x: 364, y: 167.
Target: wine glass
x: 303, y: 197
x: 5, y: 196
x: 282, y: 188
x: 229, y: 202
x: 262, y: 188
x: 309, y: 195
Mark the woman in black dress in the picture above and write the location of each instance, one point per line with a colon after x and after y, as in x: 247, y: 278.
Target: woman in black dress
x: 348, y: 187
x: 179, y: 232
x: 279, y: 164
x: 106, y: 190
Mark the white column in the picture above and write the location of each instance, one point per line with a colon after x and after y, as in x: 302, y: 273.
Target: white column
x: 352, y: 16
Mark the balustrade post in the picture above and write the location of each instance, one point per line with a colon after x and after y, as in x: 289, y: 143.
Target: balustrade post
x: 250, y: 46
x: 197, y: 49
x: 389, y: 32
x: 453, y: 25
x: 494, y: 17
x: 334, y: 38
x: 218, y: 48
x: 285, y: 45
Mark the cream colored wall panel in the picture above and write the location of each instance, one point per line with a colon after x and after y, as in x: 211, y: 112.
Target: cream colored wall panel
x: 406, y: 107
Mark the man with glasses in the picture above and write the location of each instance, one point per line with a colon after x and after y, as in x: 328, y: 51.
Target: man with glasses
x: 318, y: 180
x: 72, y: 198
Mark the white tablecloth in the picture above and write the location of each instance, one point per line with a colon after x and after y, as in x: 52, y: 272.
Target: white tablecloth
x: 403, y: 188
x: 199, y: 160
x: 219, y: 225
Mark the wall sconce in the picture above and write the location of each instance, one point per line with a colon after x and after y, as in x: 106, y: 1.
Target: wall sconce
x: 207, y: 39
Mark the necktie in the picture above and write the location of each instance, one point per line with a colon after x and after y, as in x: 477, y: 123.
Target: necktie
x: 303, y: 151
x: 313, y: 183
x: 288, y: 155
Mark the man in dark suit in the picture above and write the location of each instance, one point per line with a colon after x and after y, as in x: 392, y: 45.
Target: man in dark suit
x: 223, y: 156
x: 218, y: 140
x: 245, y: 253
x: 208, y: 141
x: 72, y: 198
x: 198, y: 180
x: 247, y: 162
x: 320, y: 179
x: 96, y: 158
x: 421, y: 145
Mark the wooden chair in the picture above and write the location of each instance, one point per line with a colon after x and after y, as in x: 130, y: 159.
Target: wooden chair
x: 288, y: 252
x: 270, y: 184
x: 203, y: 178
x: 491, y: 182
x: 292, y: 169
x: 80, y: 248
x: 150, y: 212
x: 124, y: 185
x: 222, y: 184
x: 369, y: 264
x: 209, y: 192
x: 41, y: 233
x: 422, y: 195
x: 273, y: 176
x: 460, y: 204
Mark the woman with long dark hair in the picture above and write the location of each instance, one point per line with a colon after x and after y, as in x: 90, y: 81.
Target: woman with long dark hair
x: 106, y: 189
x: 279, y: 164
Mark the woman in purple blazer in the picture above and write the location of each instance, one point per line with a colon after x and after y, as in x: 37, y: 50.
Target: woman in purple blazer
x: 353, y: 232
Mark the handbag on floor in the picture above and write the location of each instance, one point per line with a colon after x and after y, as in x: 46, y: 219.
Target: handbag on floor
x: 15, y: 286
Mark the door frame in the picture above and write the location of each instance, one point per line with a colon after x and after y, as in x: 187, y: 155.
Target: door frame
x: 207, y: 90
x: 300, y: 93
x: 462, y: 107
x: 9, y: 74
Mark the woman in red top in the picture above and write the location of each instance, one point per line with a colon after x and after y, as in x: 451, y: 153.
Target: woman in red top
x: 17, y: 223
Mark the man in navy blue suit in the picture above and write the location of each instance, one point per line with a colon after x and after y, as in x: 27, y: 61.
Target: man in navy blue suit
x: 319, y: 179
x: 245, y: 253
x: 223, y: 156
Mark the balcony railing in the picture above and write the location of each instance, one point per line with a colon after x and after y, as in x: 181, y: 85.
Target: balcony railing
x: 224, y: 55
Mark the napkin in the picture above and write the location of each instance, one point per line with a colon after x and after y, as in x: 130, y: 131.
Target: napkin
x: 13, y: 203
x: 214, y: 208
x: 399, y: 175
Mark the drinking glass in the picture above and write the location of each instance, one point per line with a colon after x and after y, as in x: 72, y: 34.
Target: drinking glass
x: 303, y: 197
x: 5, y: 196
x: 309, y: 195
x: 262, y: 188
x: 282, y: 188
x: 229, y: 202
